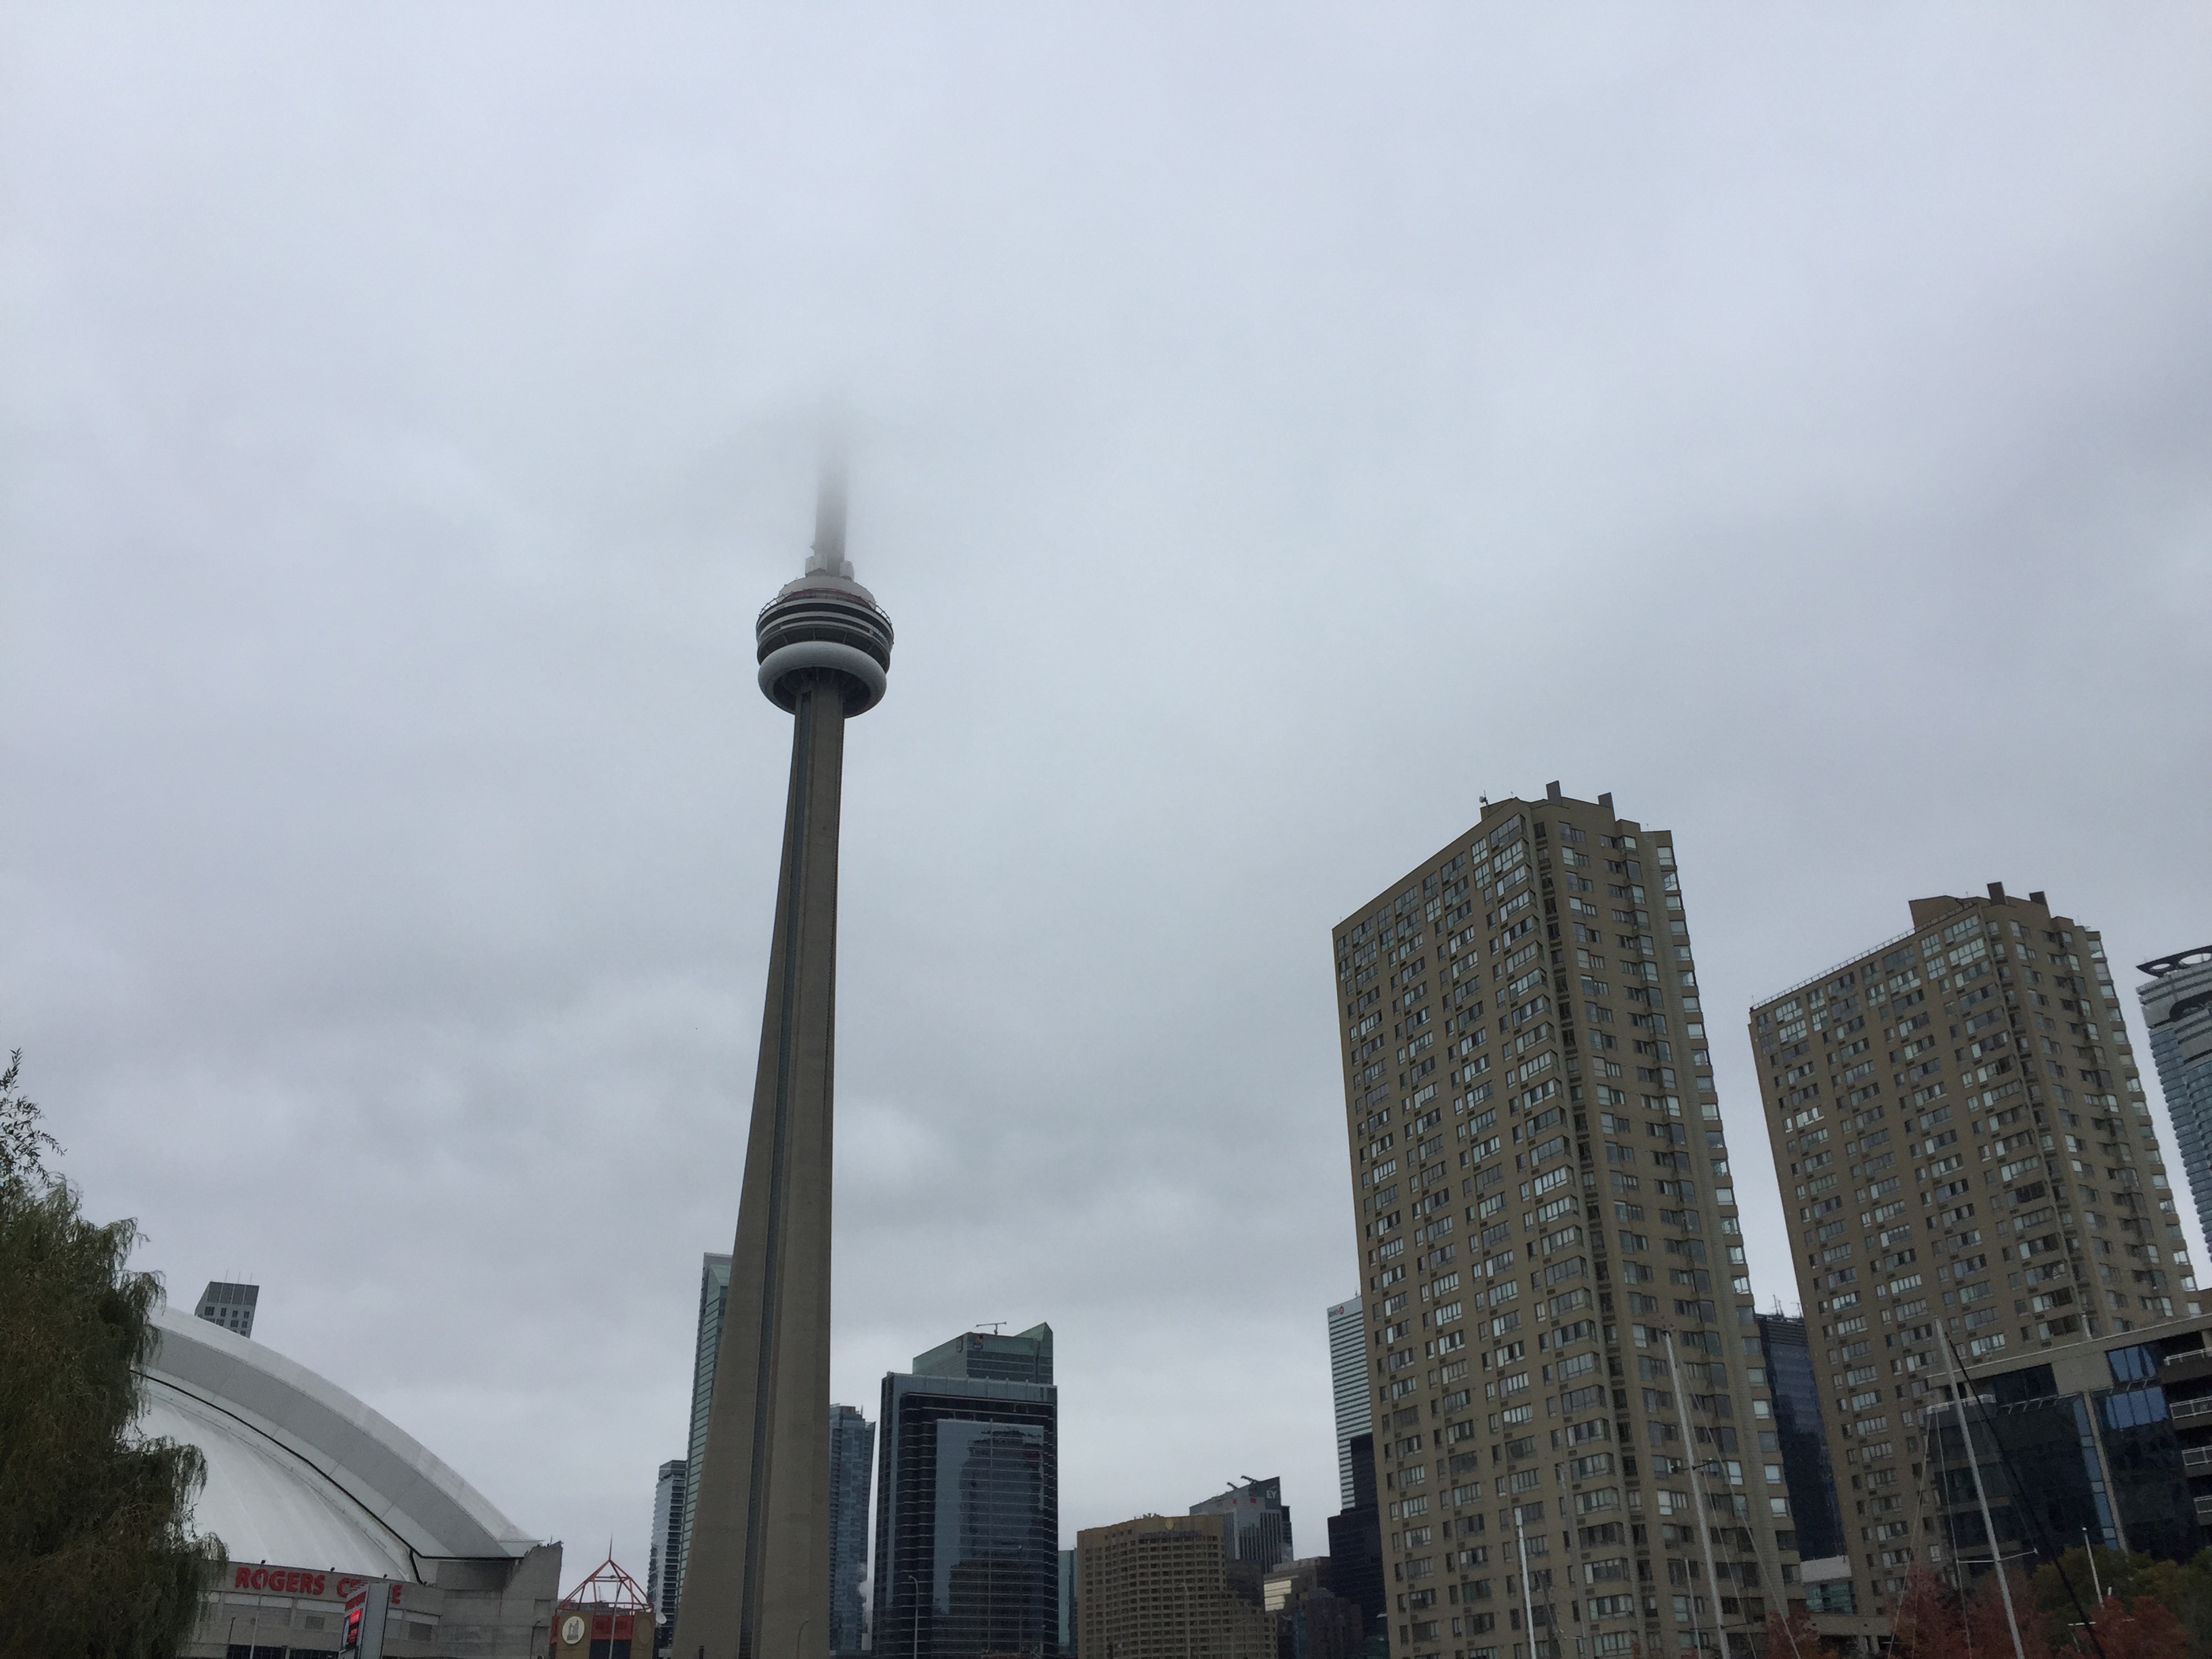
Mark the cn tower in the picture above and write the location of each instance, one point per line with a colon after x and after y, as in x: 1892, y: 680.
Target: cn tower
x: 757, y: 1578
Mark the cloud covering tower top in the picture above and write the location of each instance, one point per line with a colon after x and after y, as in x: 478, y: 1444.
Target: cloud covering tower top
x: 825, y: 623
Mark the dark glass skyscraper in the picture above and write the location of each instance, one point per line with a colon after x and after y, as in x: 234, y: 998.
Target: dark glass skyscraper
x: 851, y: 1455
x: 1355, y: 1540
x: 968, y: 1505
x: 989, y: 1357
x: 1804, y: 1442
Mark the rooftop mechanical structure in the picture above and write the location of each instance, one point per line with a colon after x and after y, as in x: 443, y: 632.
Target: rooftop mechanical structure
x: 756, y: 1576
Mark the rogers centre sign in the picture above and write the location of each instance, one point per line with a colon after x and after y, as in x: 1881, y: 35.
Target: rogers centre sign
x: 297, y: 1580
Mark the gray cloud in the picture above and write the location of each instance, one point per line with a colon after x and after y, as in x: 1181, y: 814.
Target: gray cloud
x: 1272, y: 429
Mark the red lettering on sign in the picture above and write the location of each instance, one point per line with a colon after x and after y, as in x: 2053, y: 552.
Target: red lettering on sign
x: 293, y: 1581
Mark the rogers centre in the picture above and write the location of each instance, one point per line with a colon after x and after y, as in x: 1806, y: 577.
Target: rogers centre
x: 322, y: 1501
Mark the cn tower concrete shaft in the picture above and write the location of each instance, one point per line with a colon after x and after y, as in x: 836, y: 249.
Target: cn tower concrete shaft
x: 756, y: 1577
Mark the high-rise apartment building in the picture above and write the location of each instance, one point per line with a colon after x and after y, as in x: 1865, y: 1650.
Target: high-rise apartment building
x: 1973, y: 1180
x: 1259, y: 1525
x: 230, y: 1305
x: 1347, y: 1375
x: 1572, y: 1428
x: 1798, y: 1423
x: 852, y: 1452
x: 662, y: 1574
x: 2177, y: 1005
x: 707, y: 1348
x: 1160, y: 1587
x: 968, y: 1504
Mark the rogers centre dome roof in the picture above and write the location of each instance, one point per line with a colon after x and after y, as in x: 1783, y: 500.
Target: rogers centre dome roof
x: 302, y: 1473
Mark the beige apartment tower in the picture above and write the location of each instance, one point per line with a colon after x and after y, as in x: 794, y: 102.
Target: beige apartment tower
x: 1164, y: 1587
x: 1972, y: 1176
x: 1574, y: 1440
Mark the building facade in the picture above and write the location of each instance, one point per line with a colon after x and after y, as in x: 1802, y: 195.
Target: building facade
x: 1971, y: 1177
x: 230, y: 1305
x: 967, y: 1559
x: 1572, y: 1427
x: 661, y: 1574
x: 1160, y: 1587
x: 852, y: 1458
x: 2177, y: 1005
x: 1347, y: 1375
x: 1259, y: 1525
x: 1798, y: 1423
x: 707, y: 1349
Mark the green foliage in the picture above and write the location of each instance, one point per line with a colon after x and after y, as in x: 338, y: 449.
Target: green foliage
x: 23, y: 1144
x: 97, y: 1558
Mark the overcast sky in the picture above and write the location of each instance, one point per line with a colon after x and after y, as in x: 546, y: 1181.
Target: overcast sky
x: 1271, y: 429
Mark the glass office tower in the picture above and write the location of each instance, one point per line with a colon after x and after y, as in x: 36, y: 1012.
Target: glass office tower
x: 968, y: 1510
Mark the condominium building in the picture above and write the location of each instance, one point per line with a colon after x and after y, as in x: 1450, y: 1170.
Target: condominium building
x: 707, y: 1349
x: 1572, y: 1428
x: 1160, y: 1587
x: 1347, y: 1374
x: 661, y: 1576
x: 852, y: 1447
x: 2177, y: 1005
x: 1979, y: 1212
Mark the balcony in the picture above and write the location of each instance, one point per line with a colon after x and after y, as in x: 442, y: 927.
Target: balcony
x: 2201, y: 1406
x: 2186, y: 1367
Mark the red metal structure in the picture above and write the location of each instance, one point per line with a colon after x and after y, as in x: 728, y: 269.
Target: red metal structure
x: 608, y: 1616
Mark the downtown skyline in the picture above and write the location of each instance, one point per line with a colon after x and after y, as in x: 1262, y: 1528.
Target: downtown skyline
x: 394, y: 810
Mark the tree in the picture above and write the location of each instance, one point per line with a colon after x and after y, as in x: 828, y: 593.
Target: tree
x: 2147, y: 1630
x: 97, y: 1555
x: 1793, y: 1636
x: 1928, y: 1622
x: 23, y: 1144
